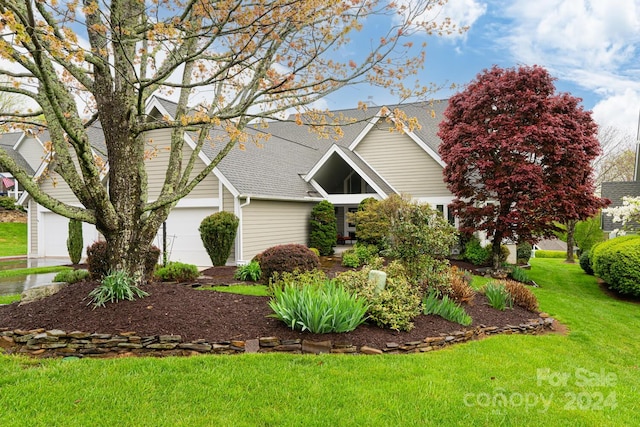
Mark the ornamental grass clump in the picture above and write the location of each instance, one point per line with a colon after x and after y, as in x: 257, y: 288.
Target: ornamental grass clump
x: 324, y: 308
x: 445, y: 307
x: 521, y: 295
x: 116, y: 286
x: 498, y: 296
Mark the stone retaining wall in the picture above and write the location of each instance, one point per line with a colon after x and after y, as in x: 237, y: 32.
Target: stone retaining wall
x: 57, y: 343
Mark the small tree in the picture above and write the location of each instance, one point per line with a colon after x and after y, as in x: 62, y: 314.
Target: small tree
x: 419, y: 237
x: 218, y: 231
x: 324, y: 230
x: 518, y: 156
x: 371, y: 224
x: 75, y: 241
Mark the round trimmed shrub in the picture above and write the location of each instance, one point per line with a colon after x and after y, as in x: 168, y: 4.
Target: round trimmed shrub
x: 178, y: 272
x: 323, y: 228
x: 97, y: 263
x: 287, y: 258
x: 218, y: 231
x: 523, y: 252
x: 617, y: 262
x: 585, y: 262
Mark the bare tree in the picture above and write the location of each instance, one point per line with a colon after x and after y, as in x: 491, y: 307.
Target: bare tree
x: 252, y: 59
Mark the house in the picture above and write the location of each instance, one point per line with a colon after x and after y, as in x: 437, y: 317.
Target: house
x: 272, y: 188
x: 615, y: 191
x: 28, y: 151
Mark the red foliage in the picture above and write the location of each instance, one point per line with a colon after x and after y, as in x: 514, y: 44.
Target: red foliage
x: 510, y: 140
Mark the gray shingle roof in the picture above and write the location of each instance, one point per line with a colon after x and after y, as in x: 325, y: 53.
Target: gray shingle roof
x: 277, y: 168
x: 615, y: 191
x: 7, y: 142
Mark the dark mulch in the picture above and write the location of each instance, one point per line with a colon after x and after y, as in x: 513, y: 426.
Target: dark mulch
x: 214, y: 316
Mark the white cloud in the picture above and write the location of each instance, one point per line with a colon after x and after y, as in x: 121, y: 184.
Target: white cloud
x: 462, y: 13
x: 591, y: 43
x: 620, y: 111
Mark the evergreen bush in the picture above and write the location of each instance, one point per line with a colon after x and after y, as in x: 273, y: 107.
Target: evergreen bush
x: 585, y: 262
x: 323, y: 228
x: 523, y: 252
x: 475, y: 253
x: 218, y: 231
x: 75, y: 241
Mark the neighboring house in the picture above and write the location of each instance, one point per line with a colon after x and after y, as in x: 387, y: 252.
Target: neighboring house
x: 615, y: 191
x: 27, y: 150
x: 272, y: 188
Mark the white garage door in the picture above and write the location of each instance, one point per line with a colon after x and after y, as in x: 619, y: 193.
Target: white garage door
x: 54, y: 230
x: 183, y: 238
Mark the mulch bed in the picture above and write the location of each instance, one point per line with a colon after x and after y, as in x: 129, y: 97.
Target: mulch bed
x: 193, y: 314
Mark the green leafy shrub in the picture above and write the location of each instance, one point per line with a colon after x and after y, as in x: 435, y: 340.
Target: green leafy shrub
x: 297, y: 278
x: 315, y: 251
x: 323, y: 228
x: 523, y: 252
x: 250, y: 271
x: 585, y: 262
x: 287, y: 258
x: 396, y: 305
x: 360, y: 254
x: 351, y: 259
x: 98, y: 263
x: 446, y: 308
x: 521, y: 295
x: 520, y: 275
x: 617, y: 262
x: 497, y: 295
x: 114, y: 287
x: 218, y: 231
x: 8, y: 203
x: 74, y: 241
x: 323, y: 308
x: 178, y: 272
x: 475, y: 253
x: 71, y: 276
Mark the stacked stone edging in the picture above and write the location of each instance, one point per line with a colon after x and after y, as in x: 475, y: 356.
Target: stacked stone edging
x: 58, y: 343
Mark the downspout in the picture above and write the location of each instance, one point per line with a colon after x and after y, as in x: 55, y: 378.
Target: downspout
x: 239, y: 245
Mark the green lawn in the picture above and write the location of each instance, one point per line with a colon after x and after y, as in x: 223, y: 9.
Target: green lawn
x: 13, y: 239
x: 588, y: 377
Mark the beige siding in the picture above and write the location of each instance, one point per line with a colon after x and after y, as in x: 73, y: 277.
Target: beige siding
x: 32, y: 151
x: 227, y: 201
x: 56, y: 187
x: 404, y: 164
x: 270, y: 223
x: 158, y: 145
x: 33, y: 227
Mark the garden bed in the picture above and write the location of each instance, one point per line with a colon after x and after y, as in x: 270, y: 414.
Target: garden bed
x: 215, y: 317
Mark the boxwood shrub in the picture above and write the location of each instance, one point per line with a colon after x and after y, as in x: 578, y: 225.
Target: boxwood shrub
x: 617, y: 262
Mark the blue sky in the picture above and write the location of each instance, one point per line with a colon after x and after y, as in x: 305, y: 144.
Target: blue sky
x: 591, y: 46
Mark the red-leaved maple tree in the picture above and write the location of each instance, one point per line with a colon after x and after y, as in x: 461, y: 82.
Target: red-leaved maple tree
x: 518, y: 156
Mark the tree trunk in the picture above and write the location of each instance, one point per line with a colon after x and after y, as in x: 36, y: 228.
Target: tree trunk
x: 496, y: 251
x: 571, y: 227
